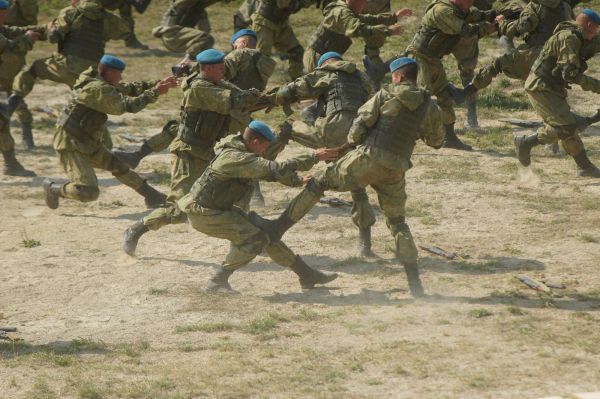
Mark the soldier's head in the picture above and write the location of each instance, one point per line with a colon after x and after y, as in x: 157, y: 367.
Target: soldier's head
x: 357, y: 5
x: 111, y: 68
x: 589, y: 21
x: 243, y: 38
x: 464, y: 5
x: 404, y: 69
x: 4, y: 6
x: 257, y: 137
x: 330, y: 56
x: 211, y: 65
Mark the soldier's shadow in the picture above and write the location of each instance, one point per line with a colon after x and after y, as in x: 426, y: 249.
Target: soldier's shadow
x: 482, y: 265
x: 9, y: 350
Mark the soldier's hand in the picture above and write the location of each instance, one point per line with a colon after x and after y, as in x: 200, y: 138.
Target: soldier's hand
x: 164, y: 85
x: 500, y: 18
x: 306, y: 179
x: 33, y: 36
x: 403, y: 12
x: 490, y: 27
x: 327, y: 154
x: 396, y: 30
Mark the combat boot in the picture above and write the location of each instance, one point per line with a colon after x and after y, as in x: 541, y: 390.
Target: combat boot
x: 376, y: 71
x: 152, y: 197
x: 472, y: 121
x: 219, y: 282
x: 133, y: 42
x: 285, y: 132
x: 52, y: 192
x: 12, y: 167
x: 132, y: 159
x: 275, y: 229
x: 364, y: 242
x: 459, y: 96
x: 7, y: 109
x: 132, y: 235
x: 27, y: 135
x: 585, y: 167
x: 257, y: 201
x: 523, y: 146
x: 452, y: 141
x: 414, y: 281
x: 308, y: 276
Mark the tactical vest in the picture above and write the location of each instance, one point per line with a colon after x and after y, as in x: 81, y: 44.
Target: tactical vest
x: 545, y: 65
x: 249, y: 78
x: 183, y: 16
x: 400, y: 132
x: 272, y: 12
x: 83, y: 123
x: 220, y: 194
x: 549, y: 19
x: 431, y: 41
x: 324, y: 40
x: 346, y: 93
x: 86, y: 40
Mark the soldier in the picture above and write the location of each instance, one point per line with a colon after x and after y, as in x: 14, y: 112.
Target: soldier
x: 341, y: 89
x: 81, y: 127
x: 242, y: 17
x: 271, y: 22
x: 81, y: 32
x: 185, y: 28
x: 536, y: 23
x: 207, y: 104
x: 125, y: 8
x: 245, y: 67
x: 383, y: 135
x: 342, y: 20
x: 15, y: 42
x: 211, y: 209
x: 23, y: 13
x: 561, y: 63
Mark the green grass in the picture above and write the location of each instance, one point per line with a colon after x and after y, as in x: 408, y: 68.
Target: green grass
x: 208, y: 327
x: 497, y: 100
x: 31, y: 243
x: 158, y: 291
x: 480, y: 313
x: 588, y: 238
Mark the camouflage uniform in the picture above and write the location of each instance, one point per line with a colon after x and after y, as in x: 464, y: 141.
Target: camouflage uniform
x: 341, y: 89
x: 384, y: 133
x: 561, y: 62
x: 81, y: 33
x: 536, y: 23
x: 273, y: 29
x: 125, y: 8
x: 81, y: 128
x: 242, y: 17
x: 185, y: 27
x: 339, y: 25
x: 22, y: 13
x: 206, y: 116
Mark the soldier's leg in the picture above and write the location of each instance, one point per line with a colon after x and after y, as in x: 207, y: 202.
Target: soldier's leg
x: 156, y: 143
x: 265, y: 38
x: 467, y: 55
x: 53, y: 68
x: 12, y: 167
x: 241, y: 19
x: 287, y: 42
x: 126, y: 13
x: 189, y: 40
x: 203, y: 23
x: 26, y: 120
x: 310, y: 59
x: 83, y: 183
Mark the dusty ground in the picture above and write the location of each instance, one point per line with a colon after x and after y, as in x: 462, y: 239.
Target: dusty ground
x: 96, y: 323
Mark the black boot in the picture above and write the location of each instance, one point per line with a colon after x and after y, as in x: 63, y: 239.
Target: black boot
x: 585, y: 167
x: 523, y: 146
x: 133, y: 158
x: 12, y: 167
x: 152, y: 197
x: 459, y: 96
x: 285, y: 132
x: 414, y: 281
x: 364, y: 242
x: 472, y: 121
x: 52, y: 192
x: 452, y: 141
x: 257, y: 201
x: 7, y: 109
x: 309, y: 276
x: 27, y: 134
x: 376, y: 71
x: 132, y: 235
x: 133, y: 42
x: 219, y: 282
x: 274, y: 228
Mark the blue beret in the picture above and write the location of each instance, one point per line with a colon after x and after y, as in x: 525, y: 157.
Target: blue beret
x: 591, y: 14
x: 263, y: 129
x: 327, y: 56
x: 240, y: 33
x: 210, y: 56
x: 401, y: 63
x: 4, y: 5
x: 111, y: 61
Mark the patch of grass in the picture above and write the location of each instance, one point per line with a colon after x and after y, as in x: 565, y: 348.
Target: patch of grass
x: 480, y: 313
x: 373, y: 381
x: 487, y: 266
x: 109, y: 205
x: 508, y: 294
x: 588, y: 238
x: 30, y: 243
x: 583, y: 315
x: 41, y: 390
x: 87, y: 390
x: 496, y: 99
x: 515, y: 311
x: 209, y: 327
x: 264, y: 324
x: 158, y: 291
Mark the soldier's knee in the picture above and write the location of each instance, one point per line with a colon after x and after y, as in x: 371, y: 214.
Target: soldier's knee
x: 117, y: 167
x: 87, y: 193
x: 316, y: 186
x: 359, y: 195
x: 296, y: 53
x: 256, y: 244
x: 171, y: 128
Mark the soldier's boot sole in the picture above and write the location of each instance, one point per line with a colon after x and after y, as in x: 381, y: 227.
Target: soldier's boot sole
x: 364, y: 243
x: 18, y: 171
x: 523, y: 151
x: 414, y: 281
x: 317, y: 277
x: 131, y: 237
x: 219, y: 288
x: 456, y: 144
x: 51, y: 194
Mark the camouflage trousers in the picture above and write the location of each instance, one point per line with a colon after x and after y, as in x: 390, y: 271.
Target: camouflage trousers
x: 247, y: 240
x: 7, y: 142
x: 181, y: 39
x: 560, y: 123
x: 466, y: 54
x: 83, y: 183
x: 433, y: 77
x: 357, y: 170
x: 161, y: 140
x: 515, y: 65
x: 185, y: 169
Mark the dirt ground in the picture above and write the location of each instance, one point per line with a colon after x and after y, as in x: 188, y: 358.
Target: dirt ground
x: 97, y: 323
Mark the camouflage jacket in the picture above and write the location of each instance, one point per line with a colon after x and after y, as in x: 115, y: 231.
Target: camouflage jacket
x: 22, y: 13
